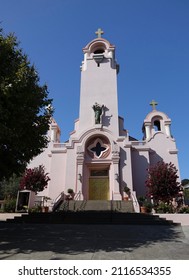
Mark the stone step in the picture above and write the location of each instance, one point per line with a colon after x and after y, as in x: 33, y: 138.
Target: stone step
x: 97, y: 205
x: 92, y: 217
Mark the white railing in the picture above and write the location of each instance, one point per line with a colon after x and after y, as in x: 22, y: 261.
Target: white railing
x: 77, y: 196
x: 135, y: 202
x: 58, y: 199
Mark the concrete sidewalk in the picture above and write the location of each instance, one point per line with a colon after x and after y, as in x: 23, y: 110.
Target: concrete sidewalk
x: 5, y: 216
x: 93, y: 242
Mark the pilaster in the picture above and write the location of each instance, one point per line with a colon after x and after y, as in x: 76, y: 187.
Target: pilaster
x: 115, y: 161
x: 79, y: 175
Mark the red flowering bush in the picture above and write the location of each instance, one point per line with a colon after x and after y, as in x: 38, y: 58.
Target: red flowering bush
x: 34, y: 179
x: 162, y: 182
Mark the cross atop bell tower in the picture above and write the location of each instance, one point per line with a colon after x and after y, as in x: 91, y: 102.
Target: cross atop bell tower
x: 99, y: 33
x: 153, y: 103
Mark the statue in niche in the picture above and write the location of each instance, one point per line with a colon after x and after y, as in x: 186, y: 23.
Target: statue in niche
x: 98, y: 109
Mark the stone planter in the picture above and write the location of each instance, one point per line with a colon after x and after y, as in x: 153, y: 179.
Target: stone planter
x: 45, y: 209
x: 143, y: 209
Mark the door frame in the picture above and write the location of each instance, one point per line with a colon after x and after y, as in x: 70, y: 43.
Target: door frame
x: 98, y: 167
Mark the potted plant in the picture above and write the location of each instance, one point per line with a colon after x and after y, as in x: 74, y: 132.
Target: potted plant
x: 148, y: 207
x: 45, y: 207
x: 145, y: 206
x: 126, y: 193
x: 71, y: 194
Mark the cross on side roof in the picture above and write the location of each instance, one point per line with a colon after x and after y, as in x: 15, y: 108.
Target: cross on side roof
x: 99, y: 32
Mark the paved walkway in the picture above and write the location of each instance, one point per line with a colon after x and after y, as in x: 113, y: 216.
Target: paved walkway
x: 92, y: 242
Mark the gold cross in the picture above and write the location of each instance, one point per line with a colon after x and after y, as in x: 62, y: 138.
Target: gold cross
x: 99, y: 32
x: 153, y: 103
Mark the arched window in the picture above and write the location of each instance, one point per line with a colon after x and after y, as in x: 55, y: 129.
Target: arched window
x: 157, y: 125
x: 99, y: 51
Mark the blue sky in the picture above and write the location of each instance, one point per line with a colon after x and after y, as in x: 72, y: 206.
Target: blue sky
x: 152, y: 48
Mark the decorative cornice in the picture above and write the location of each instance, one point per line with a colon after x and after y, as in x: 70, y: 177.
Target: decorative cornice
x: 172, y: 152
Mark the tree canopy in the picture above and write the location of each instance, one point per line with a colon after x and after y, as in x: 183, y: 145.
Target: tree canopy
x: 25, y: 109
x: 162, y: 181
x: 34, y: 179
x: 184, y: 182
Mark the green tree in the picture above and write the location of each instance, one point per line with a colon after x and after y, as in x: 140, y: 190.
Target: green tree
x: 8, y: 193
x: 162, y: 181
x: 25, y: 109
x: 184, y: 182
x: 9, y: 188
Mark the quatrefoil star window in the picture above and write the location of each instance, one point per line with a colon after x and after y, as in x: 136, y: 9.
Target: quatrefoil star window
x: 98, y: 148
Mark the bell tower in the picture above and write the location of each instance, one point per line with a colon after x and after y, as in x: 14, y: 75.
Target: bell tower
x: 98, y: 90
x: 156, y: 122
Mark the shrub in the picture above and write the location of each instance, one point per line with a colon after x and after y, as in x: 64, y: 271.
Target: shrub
x: 35, y: 209
x: 9, y: 205
x: 164, y: 207
x: 184, y: 209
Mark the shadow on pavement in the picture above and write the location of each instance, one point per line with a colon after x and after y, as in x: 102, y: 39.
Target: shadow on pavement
x: 26, y: 239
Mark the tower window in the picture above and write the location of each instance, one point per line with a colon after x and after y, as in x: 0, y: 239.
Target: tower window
x: 157, y: 126
x: 99, y: 51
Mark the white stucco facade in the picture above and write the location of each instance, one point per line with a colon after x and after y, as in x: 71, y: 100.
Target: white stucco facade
x: 100, y: 153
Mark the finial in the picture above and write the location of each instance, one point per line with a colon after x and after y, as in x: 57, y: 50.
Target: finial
x: 153, y: 103
x: 99, y: 33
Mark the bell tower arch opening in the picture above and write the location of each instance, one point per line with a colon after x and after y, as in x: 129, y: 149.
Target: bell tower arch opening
x: 157, y: 125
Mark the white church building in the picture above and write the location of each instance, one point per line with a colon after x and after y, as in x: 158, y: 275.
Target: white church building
x: 100, y: 157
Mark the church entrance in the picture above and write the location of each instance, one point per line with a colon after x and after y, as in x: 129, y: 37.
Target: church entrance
x: 99, y: 185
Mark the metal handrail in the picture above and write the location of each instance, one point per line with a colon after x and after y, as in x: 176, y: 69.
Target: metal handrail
x: 135, y: 202
x: 77, y: 196
x: 58, y: 199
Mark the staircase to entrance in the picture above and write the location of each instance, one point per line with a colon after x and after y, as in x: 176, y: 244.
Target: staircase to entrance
x: 93, y: 212
x: 97, y: 205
